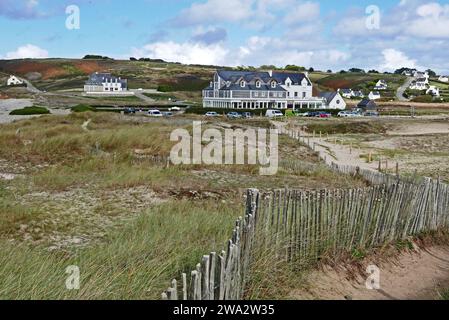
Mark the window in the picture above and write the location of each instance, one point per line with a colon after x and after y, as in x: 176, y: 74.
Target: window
x: 256, y: 94
x: 242, y: 84
x: 296, y: 94
x: 338, y: 101
x: 303, y: 95
x: 258, y: 84
x: 273, y: 84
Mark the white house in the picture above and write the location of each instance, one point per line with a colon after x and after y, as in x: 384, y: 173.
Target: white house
x: 358, y: 94
x: 105, y: 83
x: 346, y: 93
x: 419, y: 84
x: 381, y: 85
x: 260, y: 90
x: 333, y: 100
x: 434, y: 91
x: 443, y: 79
x: 13, y: 81
x: 374, y: 95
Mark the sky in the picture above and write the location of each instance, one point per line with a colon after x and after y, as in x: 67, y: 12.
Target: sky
x: 326, y: 34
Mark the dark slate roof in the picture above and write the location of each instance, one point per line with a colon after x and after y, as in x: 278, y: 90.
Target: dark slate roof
x: 329, y: 96
x: 421, y: 80
x: 367, y: 104
x: 236, y: 87
x: 248, y: 76
x: 346, y: 90
x: 98, y: 78
x: 296, y: 78
x: 251, y: 76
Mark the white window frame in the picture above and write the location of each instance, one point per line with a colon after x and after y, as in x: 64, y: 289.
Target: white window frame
x: 242, y: 84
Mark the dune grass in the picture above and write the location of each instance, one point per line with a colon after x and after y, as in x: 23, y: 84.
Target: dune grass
x: 136, y: 262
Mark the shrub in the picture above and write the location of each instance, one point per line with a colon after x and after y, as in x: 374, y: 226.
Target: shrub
x: 29, y: 111
x: 164, y: 88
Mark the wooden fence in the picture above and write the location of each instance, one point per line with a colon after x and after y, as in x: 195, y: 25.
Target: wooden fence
x: 303, y: 226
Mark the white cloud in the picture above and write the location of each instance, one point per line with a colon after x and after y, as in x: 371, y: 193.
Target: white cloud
x: 213, y: 11
x: 432, y: 21
x: 395, y: 59
x: 187, y: 52
x: 27, y: 51
x: 302, y: 12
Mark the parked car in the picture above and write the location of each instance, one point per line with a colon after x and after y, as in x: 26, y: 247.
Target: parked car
x: 154, y: 113
x: 247, y: 115
x: 356, y: 115
x: 234, y: 115
x: 323, y: 115
x: 310, y: 114
x: 129, y: 110
x: 274, y: 114
x: 371, y: 114
x: 175, y: 109
x: 167, y: 114
x: 212, y: 114
x: 344, y: 114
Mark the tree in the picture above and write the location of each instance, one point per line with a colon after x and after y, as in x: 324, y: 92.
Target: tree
x: 95, y: 57
x: 311, y: 69
x: 329, y: 71
x: 373, y: 71
x: 292, y: 67
x: 356, y: 70
x: 431, y: 73
x: 133, y: 59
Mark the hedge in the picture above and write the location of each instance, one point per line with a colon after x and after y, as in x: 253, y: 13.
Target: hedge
x: 28, y: 111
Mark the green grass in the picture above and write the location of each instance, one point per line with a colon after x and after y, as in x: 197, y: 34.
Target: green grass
x: 27, y: 111
x: 136, y: 262
x: 83, y: 108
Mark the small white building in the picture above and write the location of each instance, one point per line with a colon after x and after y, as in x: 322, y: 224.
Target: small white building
x: 443, y: 79
x: 105, y: 83
x: 419, y: 84
x: 333, y: 100
x: 346, y: 93
x: 14, y: 81
x: 434, y: 91
x: 374, y: 95
x: 381, y: 85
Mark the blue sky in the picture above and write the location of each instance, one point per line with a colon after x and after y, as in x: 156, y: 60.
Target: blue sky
x: 323, y: 34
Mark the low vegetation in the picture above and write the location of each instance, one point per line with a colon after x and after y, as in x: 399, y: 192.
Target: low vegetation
x: 28, y: 111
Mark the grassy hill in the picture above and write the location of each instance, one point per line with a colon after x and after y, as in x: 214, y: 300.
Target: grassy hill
x: 70, y: 74
x: 184, y: 82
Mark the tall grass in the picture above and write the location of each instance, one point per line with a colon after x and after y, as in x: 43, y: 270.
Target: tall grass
x: 136, y: 262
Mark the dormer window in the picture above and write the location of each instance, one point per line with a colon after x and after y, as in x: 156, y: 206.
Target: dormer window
x: 273, y: 84
x: 258, y: 84
x: 242, y: 84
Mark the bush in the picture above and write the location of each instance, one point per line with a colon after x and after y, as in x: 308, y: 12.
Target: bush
x: 29, y: 111
x: 164, y: 88
x: 83, y: 108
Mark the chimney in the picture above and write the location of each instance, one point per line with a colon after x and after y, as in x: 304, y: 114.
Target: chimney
x: 270, y: 72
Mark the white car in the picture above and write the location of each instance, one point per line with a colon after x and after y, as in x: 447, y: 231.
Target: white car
x: 155, y: 113
x: 344, y: 114
x: 175, y: 109
x: 212, y: 114
x: 274, y: 114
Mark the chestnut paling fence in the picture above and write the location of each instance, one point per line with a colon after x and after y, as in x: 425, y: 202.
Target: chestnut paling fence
x: 302, y: 226
x: 306, y: 225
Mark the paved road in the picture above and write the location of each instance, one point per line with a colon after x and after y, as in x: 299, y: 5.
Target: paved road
x: 401, y: 89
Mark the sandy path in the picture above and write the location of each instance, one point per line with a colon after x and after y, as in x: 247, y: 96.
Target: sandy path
x: 417, y: 274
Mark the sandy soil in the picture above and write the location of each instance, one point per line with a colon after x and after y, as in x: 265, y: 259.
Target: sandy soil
x: 8, y: 105
x: 411, y: 129
x: 417, y: 274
